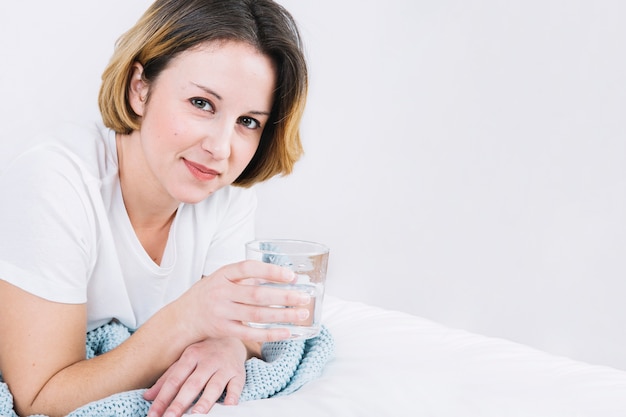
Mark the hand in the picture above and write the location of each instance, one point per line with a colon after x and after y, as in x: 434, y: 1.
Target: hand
x: 219, y: 305
x: 211, y: 365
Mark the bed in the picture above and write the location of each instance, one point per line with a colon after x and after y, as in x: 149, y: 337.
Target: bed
x: 389, y: 363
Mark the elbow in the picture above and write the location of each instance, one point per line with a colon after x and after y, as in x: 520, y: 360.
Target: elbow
x: 24, y: 407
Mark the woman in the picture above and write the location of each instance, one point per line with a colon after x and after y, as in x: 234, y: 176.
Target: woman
x: 143, y: 220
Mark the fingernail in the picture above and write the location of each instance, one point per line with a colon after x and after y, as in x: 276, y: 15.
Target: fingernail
x: 230, y: 400
x: 303, y: 314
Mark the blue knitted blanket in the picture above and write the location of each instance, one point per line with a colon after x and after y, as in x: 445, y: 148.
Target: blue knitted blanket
x: 286, y: 366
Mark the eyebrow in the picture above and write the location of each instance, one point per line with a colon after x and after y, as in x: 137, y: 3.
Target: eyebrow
x: 208, y: 91
x: 217, y: 96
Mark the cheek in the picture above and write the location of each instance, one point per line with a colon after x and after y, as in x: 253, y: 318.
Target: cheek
x: 247, y: 152
x: 169, y: 131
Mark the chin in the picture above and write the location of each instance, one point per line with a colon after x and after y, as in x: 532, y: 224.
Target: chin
x: 193, y: 197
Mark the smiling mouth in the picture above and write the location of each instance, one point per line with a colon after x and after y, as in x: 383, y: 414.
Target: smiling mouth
x: 200, y: 172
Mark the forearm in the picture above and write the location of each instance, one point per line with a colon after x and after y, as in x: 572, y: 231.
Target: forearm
x: 62, y: 380
x: 136, y: 363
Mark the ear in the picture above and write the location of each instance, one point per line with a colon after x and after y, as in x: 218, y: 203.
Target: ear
x: 137, y: 90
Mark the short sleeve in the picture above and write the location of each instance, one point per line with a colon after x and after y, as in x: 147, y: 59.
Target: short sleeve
x: 46, y: 226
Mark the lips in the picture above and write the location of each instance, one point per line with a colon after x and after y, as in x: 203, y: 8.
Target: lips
x: 200, y: 171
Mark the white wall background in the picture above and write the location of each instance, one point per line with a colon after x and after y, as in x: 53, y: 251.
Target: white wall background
x: 466, y: 160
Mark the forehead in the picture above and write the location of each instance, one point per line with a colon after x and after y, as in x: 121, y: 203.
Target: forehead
x: 214, y: 56
x: 223, y: 66
x: 224, y: 59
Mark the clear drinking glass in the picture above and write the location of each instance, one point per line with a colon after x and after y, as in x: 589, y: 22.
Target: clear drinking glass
x: 309, y: 261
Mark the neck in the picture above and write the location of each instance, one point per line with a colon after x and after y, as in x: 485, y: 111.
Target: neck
x: 147, y: 204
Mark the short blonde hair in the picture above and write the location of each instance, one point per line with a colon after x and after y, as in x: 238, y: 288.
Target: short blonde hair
x: 170, y: 27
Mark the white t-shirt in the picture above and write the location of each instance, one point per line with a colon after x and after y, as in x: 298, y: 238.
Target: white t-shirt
x: 65, y: 235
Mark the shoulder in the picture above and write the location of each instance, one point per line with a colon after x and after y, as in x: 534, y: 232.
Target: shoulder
x: 87, y: 150
x: 64, y: 171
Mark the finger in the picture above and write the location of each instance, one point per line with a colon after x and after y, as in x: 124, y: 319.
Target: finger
x: 268, y: 295
x: 193, y: 386
x: 242, y: 331
x: 212, y: 392
x: 259, y: 314
x: 151, y: 393
x: 246, y: 270
x: 172, y: 382
x: 234, y: 389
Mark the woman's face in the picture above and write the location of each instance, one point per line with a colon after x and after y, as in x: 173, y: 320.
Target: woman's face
x: 203, y: 119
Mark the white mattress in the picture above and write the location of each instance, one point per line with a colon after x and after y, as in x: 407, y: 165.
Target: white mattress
x: 390, y: 364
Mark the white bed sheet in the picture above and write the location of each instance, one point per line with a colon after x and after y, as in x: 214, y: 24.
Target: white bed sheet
x: 389, y: 363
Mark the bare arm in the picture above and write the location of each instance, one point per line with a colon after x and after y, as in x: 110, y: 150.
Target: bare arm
x: 42, y: 355
x: 42, y: 343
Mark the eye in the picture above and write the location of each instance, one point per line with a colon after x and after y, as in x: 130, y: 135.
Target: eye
x: 249, y: 122
x: 202, y: 104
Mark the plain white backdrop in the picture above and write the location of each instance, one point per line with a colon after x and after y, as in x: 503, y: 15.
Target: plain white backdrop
x: 465, y: 160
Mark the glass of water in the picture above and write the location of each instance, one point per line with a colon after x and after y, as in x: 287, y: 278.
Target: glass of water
x: 309, y: 261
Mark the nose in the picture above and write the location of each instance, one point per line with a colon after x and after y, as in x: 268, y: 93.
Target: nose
x: 217, y: 140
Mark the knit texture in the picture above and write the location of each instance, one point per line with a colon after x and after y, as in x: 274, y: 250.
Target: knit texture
x: 286, y: 366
